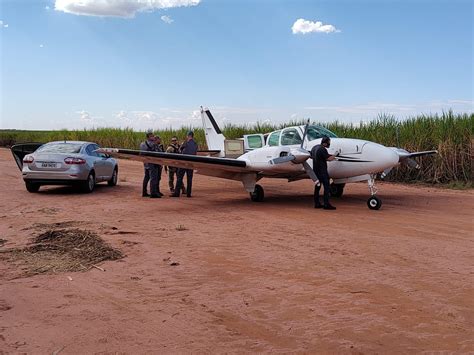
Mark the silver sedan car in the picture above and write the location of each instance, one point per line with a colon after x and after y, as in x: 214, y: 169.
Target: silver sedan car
x: 65, y: 163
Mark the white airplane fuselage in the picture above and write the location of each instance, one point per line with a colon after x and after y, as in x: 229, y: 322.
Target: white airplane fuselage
x: 356, y: 158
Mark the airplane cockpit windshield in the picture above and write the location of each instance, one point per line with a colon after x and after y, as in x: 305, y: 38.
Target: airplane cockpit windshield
x: 290, y: 136
x: 315, y: 132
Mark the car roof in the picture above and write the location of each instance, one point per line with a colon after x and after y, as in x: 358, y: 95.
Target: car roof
x: 71, y: 142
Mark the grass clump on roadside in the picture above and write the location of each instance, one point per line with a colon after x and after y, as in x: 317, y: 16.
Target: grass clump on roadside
x: 61, y: 250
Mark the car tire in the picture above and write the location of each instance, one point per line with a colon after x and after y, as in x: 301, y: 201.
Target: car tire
x: 32, y: 186
x: 89, y: 185
x: 113, y: 180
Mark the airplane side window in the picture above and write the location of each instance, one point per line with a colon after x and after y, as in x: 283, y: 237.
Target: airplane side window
x: 254, y: 142
x: 274, y: 138
x: 290, y: 136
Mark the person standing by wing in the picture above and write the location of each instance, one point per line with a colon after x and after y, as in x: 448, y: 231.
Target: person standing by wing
x: 189, y: 147
x: 158, y: 148
x: 172, y: 171
x: 320, y: 157
x: 151, y: 170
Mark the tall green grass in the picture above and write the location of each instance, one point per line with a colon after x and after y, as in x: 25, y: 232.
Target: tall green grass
x: 451, y: 134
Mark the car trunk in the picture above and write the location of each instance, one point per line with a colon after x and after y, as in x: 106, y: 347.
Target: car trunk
x: 20, y: 150
x: 51, y: 161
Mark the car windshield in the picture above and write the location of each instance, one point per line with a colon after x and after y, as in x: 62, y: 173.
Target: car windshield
x: 60, y: 148
x: 315, y: 132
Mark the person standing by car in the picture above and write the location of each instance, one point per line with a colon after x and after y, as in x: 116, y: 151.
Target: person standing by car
x: 320, y: 157
x: 159, y: 148
x: 189, y: 147
x: 151, y: 170
x: 172, y: 171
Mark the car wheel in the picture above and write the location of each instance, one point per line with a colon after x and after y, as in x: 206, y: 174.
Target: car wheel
x: 113, y: 180
x: 89, y: 184
x: 32, y: 186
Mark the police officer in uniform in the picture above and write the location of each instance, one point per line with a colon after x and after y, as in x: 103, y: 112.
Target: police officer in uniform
x: 151, y: 170
x: 189, y: 147
x: 320, y: 157
x: 159, y: 148
x: 172, y: 171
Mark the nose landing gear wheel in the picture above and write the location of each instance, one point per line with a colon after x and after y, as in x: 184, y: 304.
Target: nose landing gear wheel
x: 257, y: 195
x: 374, y: 203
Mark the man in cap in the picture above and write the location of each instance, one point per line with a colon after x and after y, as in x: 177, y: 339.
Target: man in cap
x: 151, y: 170
x: 190, y: 148
x: 159, y: 148
x: 320, y: 157
x: 172, y: 171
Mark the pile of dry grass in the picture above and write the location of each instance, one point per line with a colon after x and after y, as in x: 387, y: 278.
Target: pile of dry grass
x: 62, y: 250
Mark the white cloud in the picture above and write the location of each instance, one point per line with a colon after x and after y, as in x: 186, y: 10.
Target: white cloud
x: 167, y: 19
x: 41, y: 45
x: 118, y: 8
x: 305, y: 26
x: 84, y: 115
x: 3, y: 24
x: 46, y: 8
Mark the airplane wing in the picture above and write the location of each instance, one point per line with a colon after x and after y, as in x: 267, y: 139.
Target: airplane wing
x: 403, y: 154
x: 213, y: 166
x: 405, y: 157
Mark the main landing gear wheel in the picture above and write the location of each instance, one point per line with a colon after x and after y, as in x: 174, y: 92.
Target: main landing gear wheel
x: 257, y: 195
x: 374, y: 203
x: 337, y: 190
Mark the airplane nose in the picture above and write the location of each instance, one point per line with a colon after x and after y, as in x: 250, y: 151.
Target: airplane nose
x: 382, y: 156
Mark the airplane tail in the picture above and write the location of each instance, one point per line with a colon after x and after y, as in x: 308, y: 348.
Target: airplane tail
x: 214, y: 137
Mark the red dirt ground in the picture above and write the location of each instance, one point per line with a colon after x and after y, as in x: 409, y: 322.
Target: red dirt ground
x: 277, y: 276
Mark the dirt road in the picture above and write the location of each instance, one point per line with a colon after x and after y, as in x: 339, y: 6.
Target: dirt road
x: 273, y: 276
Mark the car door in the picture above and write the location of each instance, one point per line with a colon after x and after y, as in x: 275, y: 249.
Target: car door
x: 20, y: 150
x: 96, y: 162
x: 107, y: 164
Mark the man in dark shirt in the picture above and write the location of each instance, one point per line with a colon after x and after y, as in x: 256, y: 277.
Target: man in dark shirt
x: 190, y: 148
x: 174, y: 148
x: 151, y: 170
x: 159, y: 168
x: 320, y: 157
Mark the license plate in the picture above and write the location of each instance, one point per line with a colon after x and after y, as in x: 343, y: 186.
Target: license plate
x: 48, y: 165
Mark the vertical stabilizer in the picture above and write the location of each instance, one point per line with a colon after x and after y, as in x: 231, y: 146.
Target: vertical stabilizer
x: 214, y: 137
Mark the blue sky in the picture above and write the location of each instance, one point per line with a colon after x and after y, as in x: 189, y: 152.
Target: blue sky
x: 119, y: 63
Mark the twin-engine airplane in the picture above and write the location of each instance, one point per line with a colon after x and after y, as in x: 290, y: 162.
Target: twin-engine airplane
x: 284, y: 154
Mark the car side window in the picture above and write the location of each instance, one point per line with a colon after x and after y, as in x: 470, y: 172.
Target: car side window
x: 274, y: 139
x: 90, y: 150
x: 290, y: 136
x: 101, y: 155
